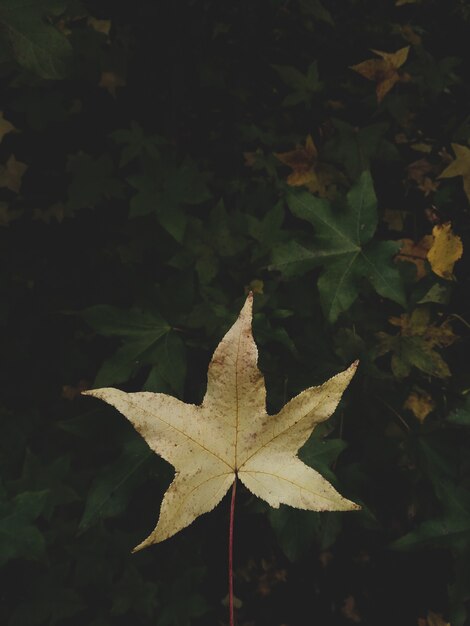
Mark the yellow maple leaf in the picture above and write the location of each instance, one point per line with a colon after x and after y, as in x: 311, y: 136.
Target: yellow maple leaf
x: 302, y: 161
x: 416, y: 253
x: 445, y: 250
x: 5, y: 126
x: 11, y: 174
x: 230, y: 435
x: 306, y: 169
x: 383, y: 71
x: 420, y: 403
x: 460, y: 166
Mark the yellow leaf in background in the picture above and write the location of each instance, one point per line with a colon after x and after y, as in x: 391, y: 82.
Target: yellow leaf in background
x: 446, y: 249
x: 101, y: 26
x: 410, y: 35
x: 433, y: 619
x: 302, y: 161
x: 415, y: 253
x: 306, y: 169
x: 383, y: 71
x: 349, y: 610
x: 111, y: 81
x: 420, y: 146
x: 5, y: 126
x: 420, y: 403
x: 11, y: 174
x: 459, y: 167
x: 230, y: 434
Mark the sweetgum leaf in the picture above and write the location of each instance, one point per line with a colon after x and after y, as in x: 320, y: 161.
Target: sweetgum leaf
x: 37, y: 46
x: 343, y: 245
x: 140, y: 332
x: 230, y: 435
x: 112, y: 487
x: 19, y: 536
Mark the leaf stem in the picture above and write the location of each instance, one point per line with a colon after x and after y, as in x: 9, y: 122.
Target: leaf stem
x: 230, y: 554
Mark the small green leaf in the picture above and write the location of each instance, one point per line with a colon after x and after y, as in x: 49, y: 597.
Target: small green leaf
x: 113, y: 486
x: 140, y: 332
x: 37, y: 45
x: 19, y: 536
x: 343, y: 246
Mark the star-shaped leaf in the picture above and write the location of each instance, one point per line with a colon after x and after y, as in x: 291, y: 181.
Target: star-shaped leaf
x: 383, y: 71
x: 230, y: 435
x: 459, y: 167
x: 344, y: 245
x: 307, y: 171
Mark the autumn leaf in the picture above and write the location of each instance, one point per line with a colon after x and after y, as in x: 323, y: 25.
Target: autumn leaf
x: 420, y: 403
x: 349, y: 610
x: 11, y: 174
x: 459, y: 167
x: 415, y: 344
x: 416, y: 253
x: 302, y: 161
x: 445, y: 250
x: 110, y: 81
x: 306, y: 169
x: 441, y: 249
x: 5, y: 126
x: 100, y: 26
x: 230, y: 435
x: 422, y: 172
x: 383, y: 71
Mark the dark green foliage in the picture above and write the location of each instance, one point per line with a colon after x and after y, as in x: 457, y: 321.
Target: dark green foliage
x: 151, y: 200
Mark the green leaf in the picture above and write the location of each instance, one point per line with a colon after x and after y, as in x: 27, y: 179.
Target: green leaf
x: 343, y: 246
x: 136, y: 143
x: 140, y: 332
x: 295, y: 530
x: 39, y: 477
x: 461, y: 415
x: 164, y: 190
x: 113, y: 486
x: 355, y: 148
x: 320, y: 454
x: 451, y: 528
x: 305, y: 86
x: 36, y: 44
x: 169, y: 370
x: 19, y: 536
x: 174, y: 612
